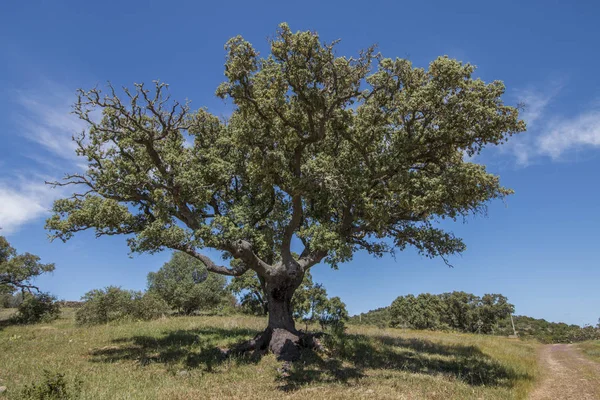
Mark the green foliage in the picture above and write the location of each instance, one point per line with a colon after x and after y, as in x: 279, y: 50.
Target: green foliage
x: 344, y: 153
x: 54, y: 386
x: 422, y: 312
x: 251, y: 294
x: 311, y: 304
x: 113, y: 303
x: 18, y: 270
x: 149, y: 306
x: 38, y: 307
x: 308, y: 299
x: 379, y: 317
x: 11, y: 300
x: 333, y: 314
x: 548, y: 332
x: 185, y: 284
x: 490, y: 310
x: 456, y: 310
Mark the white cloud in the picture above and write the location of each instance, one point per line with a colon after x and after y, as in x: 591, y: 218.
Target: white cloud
x: 579, y: 132
x: 24, y: 200
x: 535, y: 103
x: 17, y: 209
x: 45, y: 118
x: 549, y: 135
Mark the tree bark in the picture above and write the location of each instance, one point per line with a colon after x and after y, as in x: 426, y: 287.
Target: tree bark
x: 285, y: 341
x: 281, y: 336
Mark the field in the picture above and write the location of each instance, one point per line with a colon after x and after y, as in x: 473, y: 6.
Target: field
x: 177, y: 358
x: 591, y: 349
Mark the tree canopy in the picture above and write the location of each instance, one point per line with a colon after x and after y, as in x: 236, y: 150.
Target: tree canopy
x: 341, y: 153
x: 456, y: 310
x: 17, y: 271
x: 184, y: 283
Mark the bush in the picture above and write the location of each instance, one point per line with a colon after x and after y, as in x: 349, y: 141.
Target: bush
x: 333, y: 315
x: 39, y: 307
x: 113, y: 304
x: 54, y: 386
x: 149, y: 306
x: 187, y: 286
x: 8, y: 300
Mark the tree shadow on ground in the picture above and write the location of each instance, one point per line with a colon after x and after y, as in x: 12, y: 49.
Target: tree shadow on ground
x: 351, y: 357
x: 4, y: 323
x: 353, y: 354
x: 194, y: 348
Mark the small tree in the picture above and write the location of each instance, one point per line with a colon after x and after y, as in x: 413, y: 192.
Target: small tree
x: 309, y: 300
x: 333, y: 313
x: 422, y: 312
x: 186, y: 285
x: 250, y: 290
x: 460, y: 310
x: 18, y: 270
x: 339, y: 153
x: 100, y: 306
x: 38, y: 307
x: 492, y: 308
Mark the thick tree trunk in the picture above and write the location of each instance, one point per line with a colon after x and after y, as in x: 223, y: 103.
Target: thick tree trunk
x: 281, y: 336
x: 285, y: 340
x: 280, y: 311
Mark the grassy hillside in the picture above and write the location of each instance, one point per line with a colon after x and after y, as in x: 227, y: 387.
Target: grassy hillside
x: 177, y: 358
x: 591, y: 349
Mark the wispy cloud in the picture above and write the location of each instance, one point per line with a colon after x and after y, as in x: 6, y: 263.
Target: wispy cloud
x: 24, y: 199
x: 45, y: 118
x: 579, y: 132
x: 42, y: 117
x: 550, y: 135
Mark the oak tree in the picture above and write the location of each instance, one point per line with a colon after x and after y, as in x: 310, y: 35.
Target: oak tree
x: 338, y: 153
x: 17, y: 271
x: 185, y: 285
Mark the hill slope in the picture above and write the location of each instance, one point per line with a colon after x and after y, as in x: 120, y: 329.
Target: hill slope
x: 176, y: 358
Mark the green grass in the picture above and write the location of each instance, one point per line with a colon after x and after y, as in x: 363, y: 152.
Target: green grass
x: 591, y: 349
x: 177, y: 358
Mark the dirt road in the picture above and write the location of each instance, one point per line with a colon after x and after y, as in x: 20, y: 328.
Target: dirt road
x: 567, y: 375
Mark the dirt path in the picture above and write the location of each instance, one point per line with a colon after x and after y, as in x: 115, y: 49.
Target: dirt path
x: 567, y: 375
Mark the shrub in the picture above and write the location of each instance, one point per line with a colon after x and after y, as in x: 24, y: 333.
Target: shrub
x: 113, y: 304
x: 186, y: 285
x: 333, y: 314
x: 8, y: 300
x: 39, y: 307
x: 149, y: 306
x: 54, y: 386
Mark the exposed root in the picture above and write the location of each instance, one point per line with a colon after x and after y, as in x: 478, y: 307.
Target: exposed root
x: 286, y: 345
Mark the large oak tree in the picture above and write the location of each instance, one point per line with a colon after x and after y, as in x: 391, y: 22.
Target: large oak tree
x: 341, y: 154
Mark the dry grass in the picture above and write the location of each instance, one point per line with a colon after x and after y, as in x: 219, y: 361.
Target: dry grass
x: 591, y: 349
x: 176, y: 358
x: 6, y: 313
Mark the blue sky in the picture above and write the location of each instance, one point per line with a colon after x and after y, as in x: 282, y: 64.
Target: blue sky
x: 539, y: 248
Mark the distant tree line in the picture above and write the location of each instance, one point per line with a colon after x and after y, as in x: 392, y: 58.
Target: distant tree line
x: 459, y: 311
x: 466, y: 312
x: 549, y: 332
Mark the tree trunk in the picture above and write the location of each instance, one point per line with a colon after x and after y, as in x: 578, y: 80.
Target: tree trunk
x: 280, y: 310
x: 281, y: 336
x: 285, y: 340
